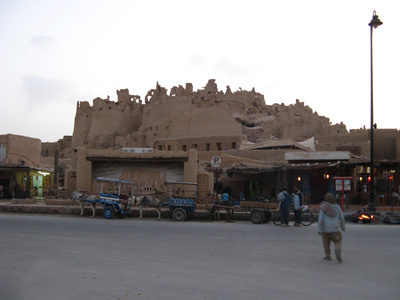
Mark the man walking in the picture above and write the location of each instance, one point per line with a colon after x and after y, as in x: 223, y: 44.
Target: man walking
x: 298, y: 205
x: 330, y: 222
x: 284, y: 204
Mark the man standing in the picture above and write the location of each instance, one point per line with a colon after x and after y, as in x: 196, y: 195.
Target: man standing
x: 298, y: 206
x: 330, y: 222
x: 284, y: 204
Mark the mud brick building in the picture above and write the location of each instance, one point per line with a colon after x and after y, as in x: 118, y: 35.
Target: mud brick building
x: 172, y: 135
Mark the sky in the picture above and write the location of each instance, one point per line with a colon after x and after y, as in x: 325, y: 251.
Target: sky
x: 55, y: 53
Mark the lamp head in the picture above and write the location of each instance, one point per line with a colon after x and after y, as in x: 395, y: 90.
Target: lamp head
x: 375, y: 22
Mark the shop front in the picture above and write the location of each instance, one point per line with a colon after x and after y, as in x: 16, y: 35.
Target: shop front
x: 24, y: 182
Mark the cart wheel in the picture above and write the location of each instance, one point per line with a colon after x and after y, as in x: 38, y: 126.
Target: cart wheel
x: 179, y: 214
x: 108, y: 212
x: 257, y: 216
x: 267, y: 216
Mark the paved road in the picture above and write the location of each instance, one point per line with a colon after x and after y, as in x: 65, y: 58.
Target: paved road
x: 64, y: 257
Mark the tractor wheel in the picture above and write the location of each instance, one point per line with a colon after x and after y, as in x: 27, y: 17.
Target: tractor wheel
x: 257, y: 216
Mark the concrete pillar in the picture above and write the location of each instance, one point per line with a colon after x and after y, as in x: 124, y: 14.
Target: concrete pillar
x: 398, y: 145
x: 279, y: 182
x: 28, y: 183
x: 211, y: 183
x: 56, y: 169
x: 190, y: 170
x: 285, y: 178
x: 83, y: 172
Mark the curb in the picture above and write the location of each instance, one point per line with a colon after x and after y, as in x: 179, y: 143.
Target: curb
x: 74, y: 210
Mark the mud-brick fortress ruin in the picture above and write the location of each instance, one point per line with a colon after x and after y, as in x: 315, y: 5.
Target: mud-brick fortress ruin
x: 207, y: 116
x: 173, y: 135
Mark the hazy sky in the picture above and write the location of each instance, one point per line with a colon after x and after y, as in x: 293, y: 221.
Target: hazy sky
x: 55, y: 53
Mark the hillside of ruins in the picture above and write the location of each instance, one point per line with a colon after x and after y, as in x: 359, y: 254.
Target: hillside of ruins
x: 181, y: 113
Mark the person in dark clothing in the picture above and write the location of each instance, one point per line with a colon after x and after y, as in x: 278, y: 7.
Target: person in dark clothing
x: 284, y: 204
x: 298, y: 205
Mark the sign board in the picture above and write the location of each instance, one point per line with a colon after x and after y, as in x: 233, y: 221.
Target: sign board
x: 137, y: 150
x: 317, y: 155
x: 342, y: 185
x: 216, y: 161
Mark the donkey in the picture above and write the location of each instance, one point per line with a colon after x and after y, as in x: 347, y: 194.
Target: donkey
x: 147, y: 201
x: 82, y: 197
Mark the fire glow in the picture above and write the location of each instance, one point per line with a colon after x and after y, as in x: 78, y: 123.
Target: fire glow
x: 365, y: 217
x: 362, y: 217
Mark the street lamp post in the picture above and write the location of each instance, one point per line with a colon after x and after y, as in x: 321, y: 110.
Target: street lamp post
x: 375, y: 22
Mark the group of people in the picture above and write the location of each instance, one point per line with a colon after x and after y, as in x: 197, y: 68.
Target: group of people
x: 284, y: 200
x: 331, y: 221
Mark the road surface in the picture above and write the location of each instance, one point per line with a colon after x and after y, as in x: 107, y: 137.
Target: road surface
x: 67, y: 257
